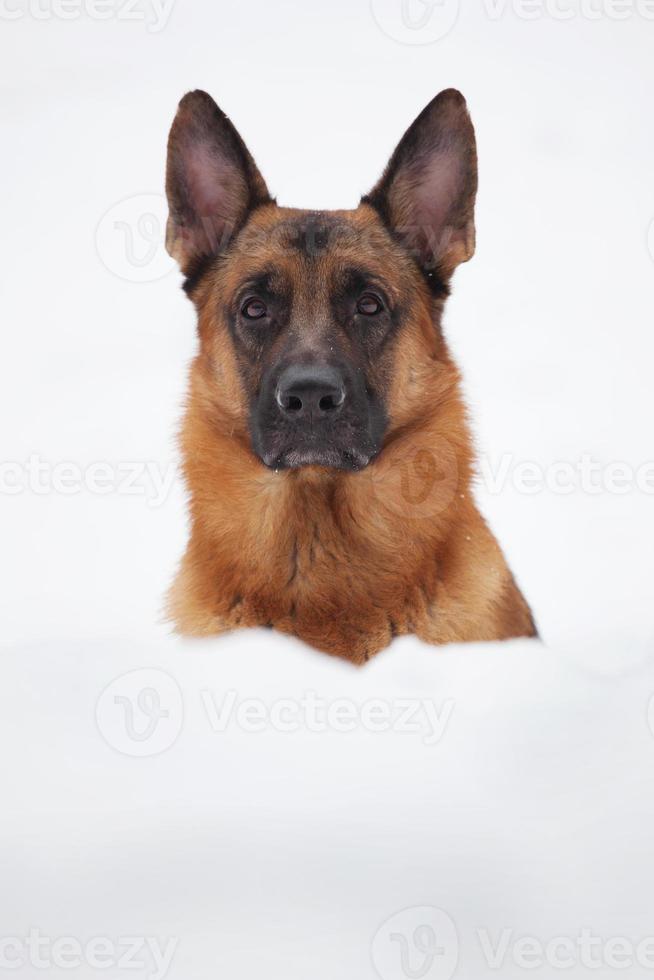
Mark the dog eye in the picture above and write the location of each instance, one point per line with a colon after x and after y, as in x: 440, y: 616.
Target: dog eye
x: 254, y: 309
x: 369, y: 305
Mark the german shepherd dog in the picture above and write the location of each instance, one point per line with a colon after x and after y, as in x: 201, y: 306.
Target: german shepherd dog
x: 325, y: 444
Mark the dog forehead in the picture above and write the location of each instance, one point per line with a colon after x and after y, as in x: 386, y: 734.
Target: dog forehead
x: 313, y: 234
x: 318, y: 234
x: 315, y: 249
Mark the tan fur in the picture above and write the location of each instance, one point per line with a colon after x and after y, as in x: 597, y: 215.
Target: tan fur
x: 343, y: 560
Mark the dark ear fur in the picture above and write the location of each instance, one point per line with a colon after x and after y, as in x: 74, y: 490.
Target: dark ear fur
x: 426, y: 195
x: 212, y: 182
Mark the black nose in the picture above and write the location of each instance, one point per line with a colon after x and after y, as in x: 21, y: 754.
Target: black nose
x: 310, y: 391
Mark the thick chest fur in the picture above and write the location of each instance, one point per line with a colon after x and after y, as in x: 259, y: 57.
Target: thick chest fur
x: 343, y: 593
x: 325, y: 578
x: 322, y: 560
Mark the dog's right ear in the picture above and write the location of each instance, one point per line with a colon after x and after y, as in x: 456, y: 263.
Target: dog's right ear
x: 212, y: 182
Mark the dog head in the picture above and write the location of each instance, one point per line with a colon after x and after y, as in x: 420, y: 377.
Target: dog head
x: 319, y: 331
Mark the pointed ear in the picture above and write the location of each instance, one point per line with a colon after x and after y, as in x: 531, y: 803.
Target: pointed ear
x: 426, y: 195
x: 212, y: 182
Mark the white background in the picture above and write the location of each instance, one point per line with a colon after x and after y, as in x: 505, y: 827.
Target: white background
x: 542, y: 825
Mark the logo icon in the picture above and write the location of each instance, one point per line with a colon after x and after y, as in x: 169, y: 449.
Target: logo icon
x: 415, y: 21
x: 421, y: 483
x: 131, y: 239
x: 416, y: 944
x: 141, y: 713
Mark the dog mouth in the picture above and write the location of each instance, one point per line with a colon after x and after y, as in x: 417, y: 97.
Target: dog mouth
x: 294, y: 457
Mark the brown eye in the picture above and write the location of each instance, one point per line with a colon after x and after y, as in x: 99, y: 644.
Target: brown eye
x: 254, y: 309
x: 369, y: 305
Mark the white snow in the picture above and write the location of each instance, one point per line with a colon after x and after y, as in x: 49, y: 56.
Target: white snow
x: 270, y: 838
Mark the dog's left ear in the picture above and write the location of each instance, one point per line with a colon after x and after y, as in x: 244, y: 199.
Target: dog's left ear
x: 426, y: 195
